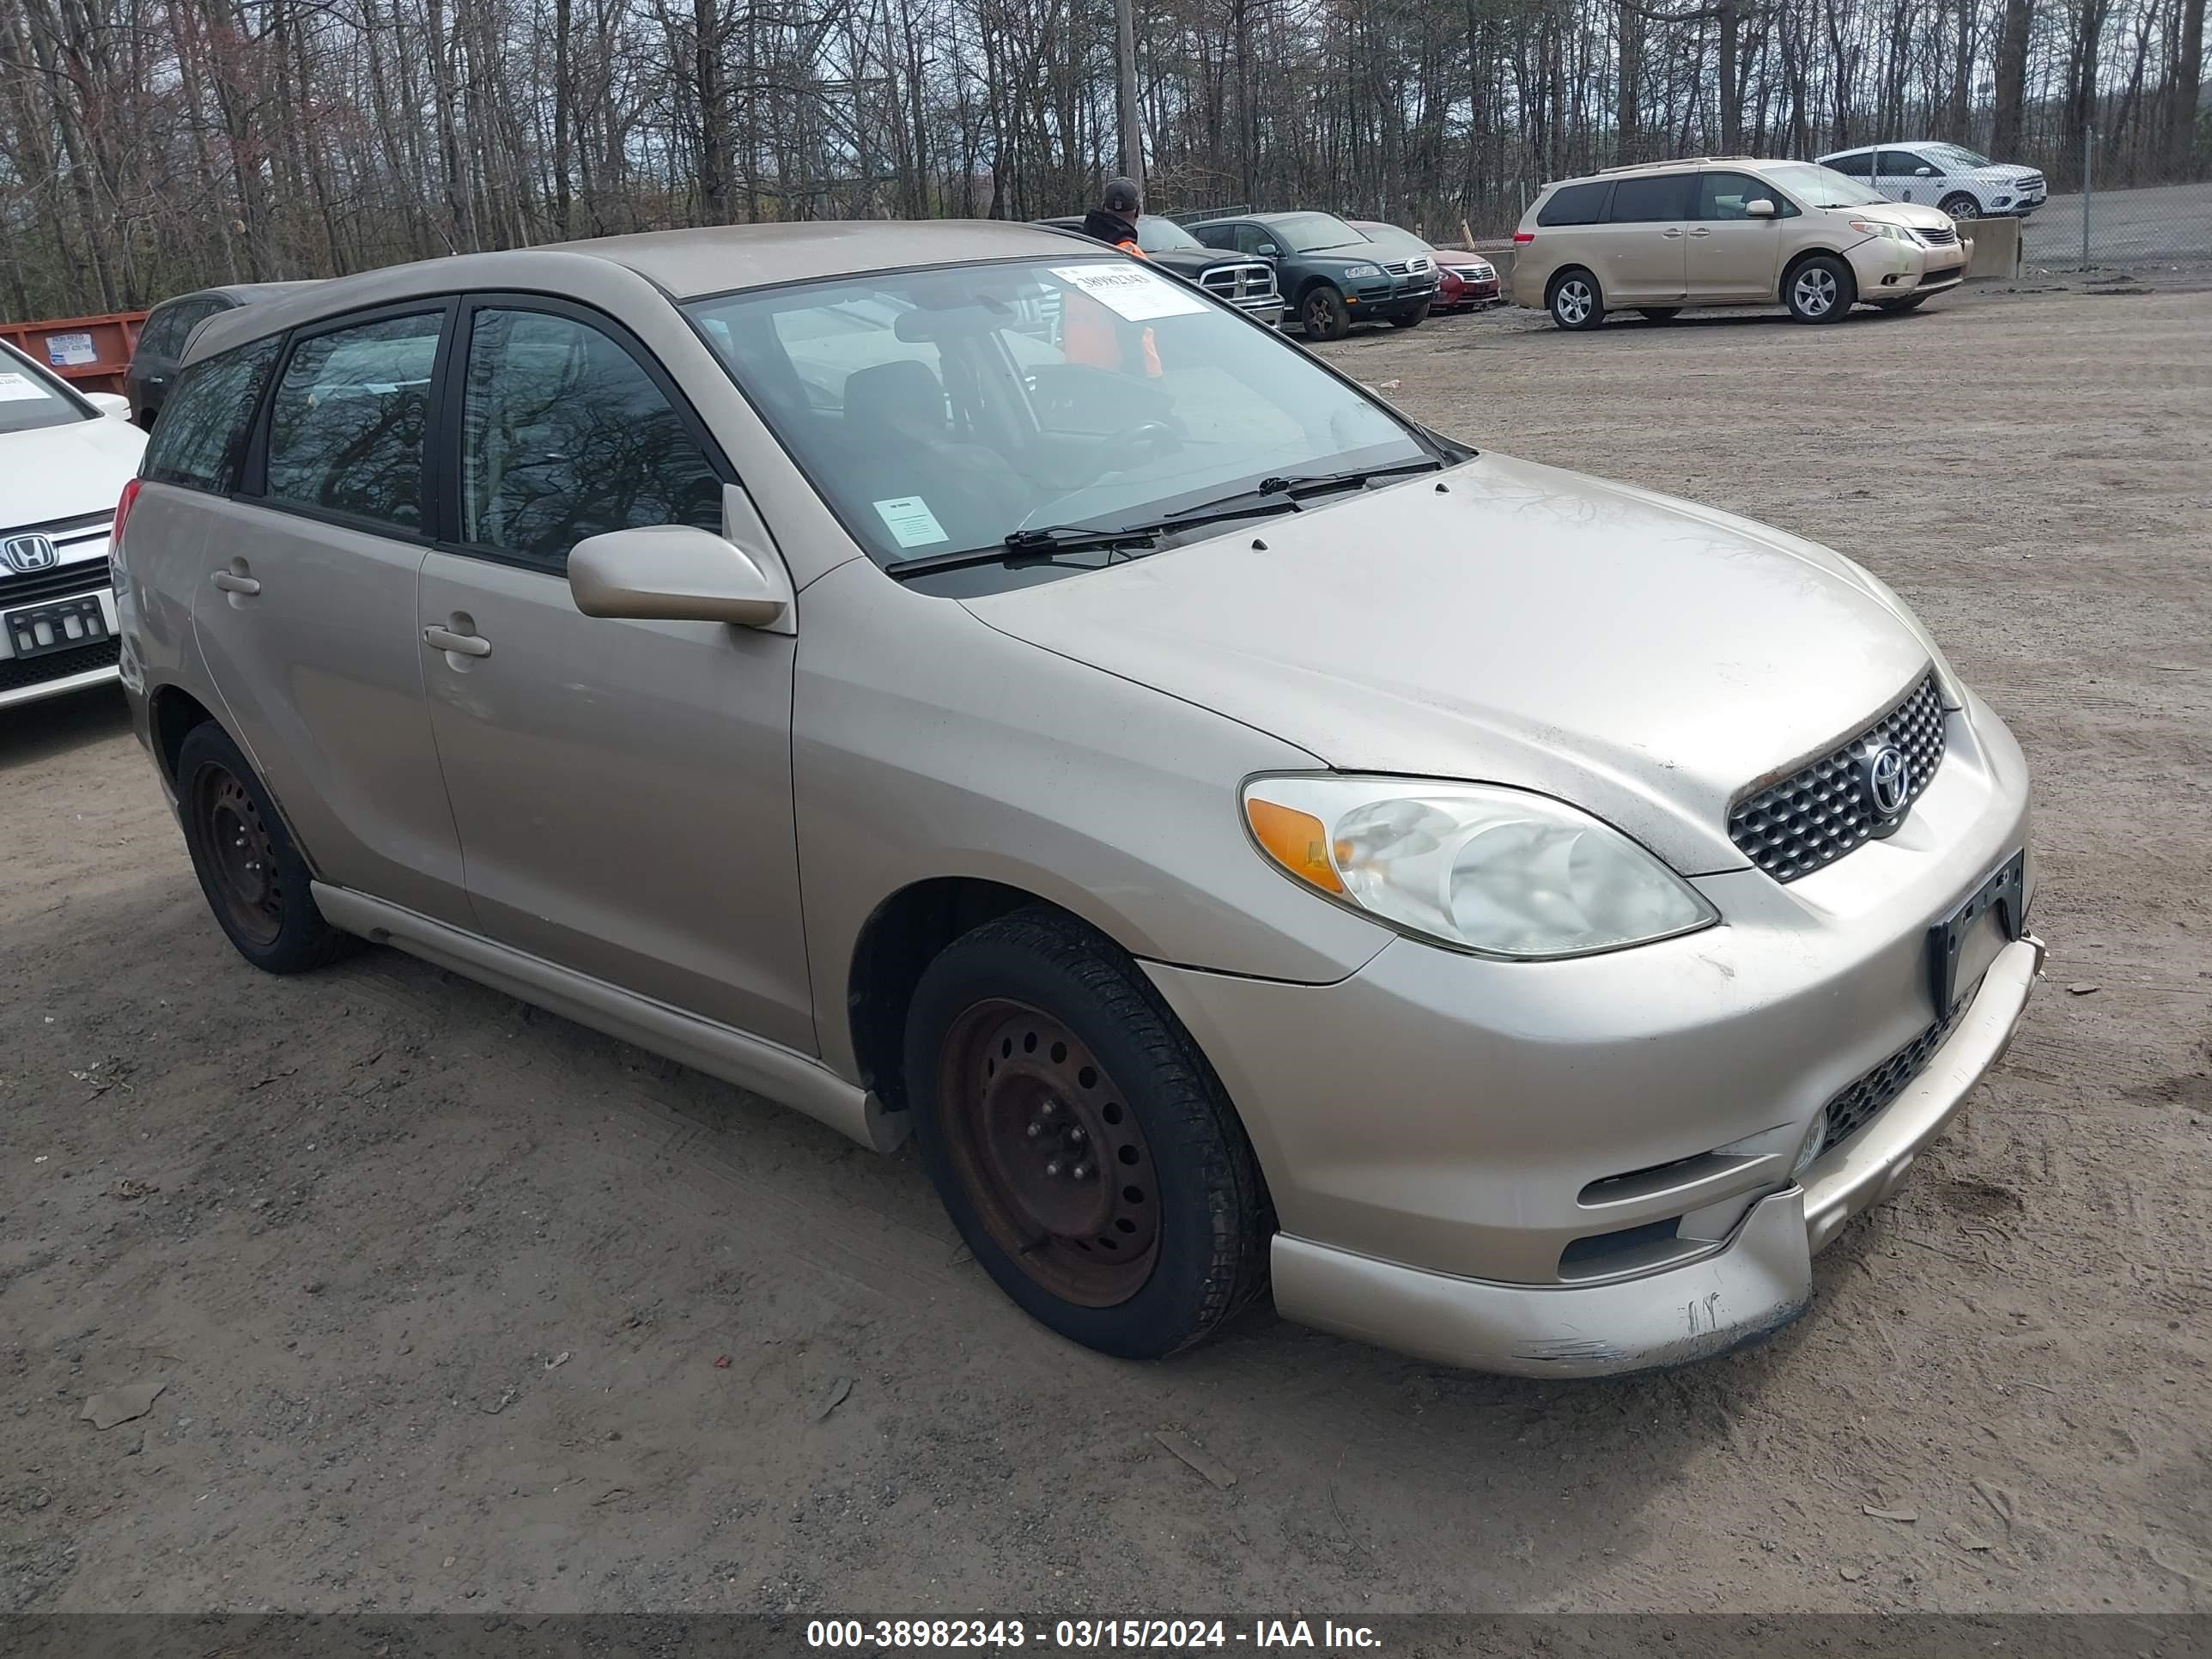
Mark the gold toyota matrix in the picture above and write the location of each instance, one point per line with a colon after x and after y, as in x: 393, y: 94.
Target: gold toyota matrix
x: 955, y: 680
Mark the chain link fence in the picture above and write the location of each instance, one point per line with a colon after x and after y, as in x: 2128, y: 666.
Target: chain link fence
x: 2096, y: 226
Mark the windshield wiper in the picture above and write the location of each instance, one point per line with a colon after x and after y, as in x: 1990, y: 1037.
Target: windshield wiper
x: 1264, y: 496
x: 1044, y: 542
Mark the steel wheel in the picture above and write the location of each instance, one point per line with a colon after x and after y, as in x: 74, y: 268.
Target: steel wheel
x: 244, y: 855
x: 1051, y: 1156
x: 1815, y: 291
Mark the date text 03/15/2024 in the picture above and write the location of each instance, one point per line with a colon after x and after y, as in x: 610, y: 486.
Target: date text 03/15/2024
x: 1167, y: 1634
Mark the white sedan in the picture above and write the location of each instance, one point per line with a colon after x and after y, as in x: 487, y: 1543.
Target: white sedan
x: 65, y: 458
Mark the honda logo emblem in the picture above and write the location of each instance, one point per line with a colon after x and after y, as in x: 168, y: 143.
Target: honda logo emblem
x: 25, y: 553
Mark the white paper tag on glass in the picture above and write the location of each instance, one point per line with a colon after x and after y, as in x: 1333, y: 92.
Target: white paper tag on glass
x: 68, y: 351
x: 910, y: 519
x: 19, y: 389
x: 1131, y: 290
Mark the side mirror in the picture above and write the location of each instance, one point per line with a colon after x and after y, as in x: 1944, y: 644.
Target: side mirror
x: 1923, y: 172
x: 1269, y: 249
x: 1760, y: 209
x: 113, y: 404
x: 676, y: 572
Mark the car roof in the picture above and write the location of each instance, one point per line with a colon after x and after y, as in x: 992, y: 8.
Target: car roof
x: 240, y: 294
x: 683, y: 264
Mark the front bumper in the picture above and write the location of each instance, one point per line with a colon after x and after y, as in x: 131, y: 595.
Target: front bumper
x: 1889, y: 271
x: 1267, y: 310
x: 1479, y: 1161
x: 1381, y: 304
x: 62, y: 671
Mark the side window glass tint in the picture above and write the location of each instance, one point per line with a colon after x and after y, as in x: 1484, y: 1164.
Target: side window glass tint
x: 1574, y: 204
x: 347, y: 425
x: 1641, y: 200
x: 564, y: 435
x: 202, y: 431
x: 1855, y: 166
x: 1725, y: 196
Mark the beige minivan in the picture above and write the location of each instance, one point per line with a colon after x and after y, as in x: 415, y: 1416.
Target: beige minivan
x: 958, y: 681
x: 1728, y: 231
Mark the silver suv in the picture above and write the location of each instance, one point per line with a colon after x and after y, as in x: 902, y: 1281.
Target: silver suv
x: 960, y: 682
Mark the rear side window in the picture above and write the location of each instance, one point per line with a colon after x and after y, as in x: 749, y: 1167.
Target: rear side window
x: 1643, y: 200
x: 347, y: 424
x: 202, y: 432
x: 1575, y: 204
x: 1860, y: 166
x: 564, y: 435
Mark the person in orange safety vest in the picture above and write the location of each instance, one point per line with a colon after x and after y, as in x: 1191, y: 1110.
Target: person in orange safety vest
x: 1090, y: 332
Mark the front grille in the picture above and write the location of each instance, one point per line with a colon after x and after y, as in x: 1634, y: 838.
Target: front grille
x: 1414, y: 267
x: 1945, y: 238
x: 85, y: 576
x: 59, y: 664
x: 1857, y: 1105
x: 1252, y: 282
x: 1821, y: 811
x: 62, y: 530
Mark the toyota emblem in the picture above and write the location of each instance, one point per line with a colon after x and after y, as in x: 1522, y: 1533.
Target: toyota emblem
x: 28, y: 553
x: 1887, y: 779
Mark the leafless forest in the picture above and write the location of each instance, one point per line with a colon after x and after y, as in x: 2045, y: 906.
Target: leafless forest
x: 147, y: 146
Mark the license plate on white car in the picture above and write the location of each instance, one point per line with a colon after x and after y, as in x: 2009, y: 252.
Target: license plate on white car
x: 58, y: 625
x: 1962, y: 946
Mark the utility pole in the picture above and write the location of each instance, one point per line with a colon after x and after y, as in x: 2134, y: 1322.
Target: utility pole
x: 1132, y: 142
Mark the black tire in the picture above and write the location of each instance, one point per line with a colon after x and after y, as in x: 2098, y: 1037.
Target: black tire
x: 1821, y: 290
x: 1411, y: 318
x: 254, y: 878
x: 1576, y: 301
x: 1323, y: 314
x: 1202, y: 1219
x: 1660, y: 313
x: 1961, y: 206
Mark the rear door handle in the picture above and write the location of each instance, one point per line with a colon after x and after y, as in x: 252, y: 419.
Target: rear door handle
x: 231, y: 583
x: 461, y: 645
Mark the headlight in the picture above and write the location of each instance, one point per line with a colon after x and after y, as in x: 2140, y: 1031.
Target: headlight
x: 1354, y: 272
x: 1497, y: 871
x: 1878, y: 227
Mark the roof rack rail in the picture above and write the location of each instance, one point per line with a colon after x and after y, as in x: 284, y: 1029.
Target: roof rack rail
x: 1675, y: 161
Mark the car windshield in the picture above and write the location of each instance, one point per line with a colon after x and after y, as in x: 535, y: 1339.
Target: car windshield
x: 1391, y: 240
x: 1957, y: 158
x: 1308, y: 232
x: 1818, y: 186
x: 1158, y: 235
x: 941, y: 410
x: 29, y: 399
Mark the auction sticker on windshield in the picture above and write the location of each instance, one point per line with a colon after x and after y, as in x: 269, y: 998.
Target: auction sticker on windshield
x: 909, y: 519
x: 1132, y: 291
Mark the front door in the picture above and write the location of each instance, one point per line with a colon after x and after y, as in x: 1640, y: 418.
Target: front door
x: 623, y: 789
x: 1734, y: 256
x: 1896, y: 175
x: 305, y: 610
x: 1640, y: 250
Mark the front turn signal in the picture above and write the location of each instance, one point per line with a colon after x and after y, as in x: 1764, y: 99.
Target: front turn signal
x: 1297, y: 841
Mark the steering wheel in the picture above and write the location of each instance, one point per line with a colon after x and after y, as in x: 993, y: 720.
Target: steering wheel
x: 1141, y: 442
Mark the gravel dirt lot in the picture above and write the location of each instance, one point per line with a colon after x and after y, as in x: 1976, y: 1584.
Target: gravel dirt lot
x: 458, y: 1306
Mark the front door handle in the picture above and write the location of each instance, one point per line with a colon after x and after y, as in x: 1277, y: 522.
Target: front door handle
x: 461, y: 645
x: 1676, y: 231
x: 231, y: 583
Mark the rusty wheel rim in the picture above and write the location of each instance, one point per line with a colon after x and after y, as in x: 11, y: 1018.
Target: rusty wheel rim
x: 1045, y: 1144
x: 243, y: 855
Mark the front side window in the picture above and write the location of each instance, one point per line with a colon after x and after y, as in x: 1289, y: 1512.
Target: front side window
x: 1575, y: 204
x: 1645, y: 200
x: 31, y: 397
x: 564, y: 435
x: 1902, y: 164
x: 1725, y: 196
x: 348, y: 423
x: 202, y: 432
x: 938, y: 410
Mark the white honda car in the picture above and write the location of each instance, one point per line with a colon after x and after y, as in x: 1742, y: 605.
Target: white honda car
x: 1964, y: 183
x: 65, y: 457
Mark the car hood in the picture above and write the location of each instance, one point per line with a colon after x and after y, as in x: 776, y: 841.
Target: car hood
x: 66, y: 472
x: 2005, y: 173
x: 1508, y: 623
x: 1197, y: 261
x: 1913, y: 214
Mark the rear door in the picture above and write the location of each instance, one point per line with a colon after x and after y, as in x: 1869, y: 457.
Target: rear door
x: 623, y: 789
x: 1641, y: 252
x: 304, y: 611
x: 1733, y: 256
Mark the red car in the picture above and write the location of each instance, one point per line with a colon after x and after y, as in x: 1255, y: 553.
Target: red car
x: 1465, y: 280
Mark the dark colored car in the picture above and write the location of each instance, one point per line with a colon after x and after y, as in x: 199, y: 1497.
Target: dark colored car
x: 167, y: 326
x: 1465, y: 280
x: 1248, y: 285
x: 1331, y: 276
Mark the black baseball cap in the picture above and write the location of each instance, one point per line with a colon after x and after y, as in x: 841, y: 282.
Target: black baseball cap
x: 1121, y: 196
